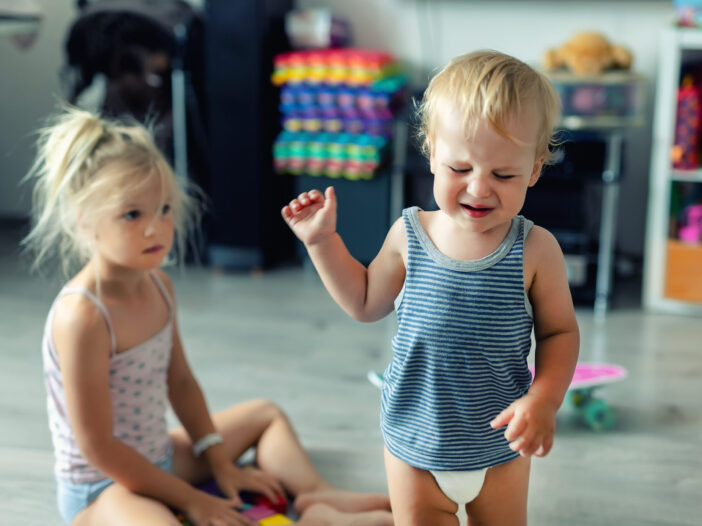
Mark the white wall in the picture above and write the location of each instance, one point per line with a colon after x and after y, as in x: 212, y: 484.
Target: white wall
x: 427, y: 33
x: 29, y: 85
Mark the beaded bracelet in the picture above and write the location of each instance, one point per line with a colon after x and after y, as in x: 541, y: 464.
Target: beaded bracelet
x: 206, y: 442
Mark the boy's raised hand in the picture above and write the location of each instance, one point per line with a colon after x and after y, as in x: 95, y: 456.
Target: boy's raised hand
x: 312, y: 216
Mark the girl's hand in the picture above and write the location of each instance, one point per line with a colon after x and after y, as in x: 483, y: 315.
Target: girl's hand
x: 312, y: 216
x: 531, y: 422
x: 231, y: 480
x: 207, y: 510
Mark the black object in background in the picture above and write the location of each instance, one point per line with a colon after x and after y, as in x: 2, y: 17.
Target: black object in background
x: 244, y: 227
x: 567, y: 202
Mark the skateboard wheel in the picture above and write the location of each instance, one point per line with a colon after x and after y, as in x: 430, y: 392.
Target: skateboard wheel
x: 599, y: 416
x: 580, y: 397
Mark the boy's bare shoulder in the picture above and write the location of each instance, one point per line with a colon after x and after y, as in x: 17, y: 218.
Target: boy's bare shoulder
x: 397, y: 238
x: 541, y: 253
x: 539, y: 240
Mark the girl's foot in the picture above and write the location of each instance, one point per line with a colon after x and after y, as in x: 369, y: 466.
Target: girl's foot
x: 340, y: 500
x: 323, y: 515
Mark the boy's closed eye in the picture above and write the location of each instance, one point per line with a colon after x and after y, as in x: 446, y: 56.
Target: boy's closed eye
x: 504, y: 176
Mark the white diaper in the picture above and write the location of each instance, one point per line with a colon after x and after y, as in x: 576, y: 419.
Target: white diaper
x: 461, y: 487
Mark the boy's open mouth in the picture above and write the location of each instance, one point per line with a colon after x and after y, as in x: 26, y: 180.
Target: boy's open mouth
x: 476, y: 208
x: 476, y: 212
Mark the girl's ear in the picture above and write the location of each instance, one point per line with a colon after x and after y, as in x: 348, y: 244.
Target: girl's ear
x: 85, y: 228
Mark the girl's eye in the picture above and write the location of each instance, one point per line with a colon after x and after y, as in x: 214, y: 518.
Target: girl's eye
x: 131, y: 215
x: 166, y: 208
x: 504, y: 176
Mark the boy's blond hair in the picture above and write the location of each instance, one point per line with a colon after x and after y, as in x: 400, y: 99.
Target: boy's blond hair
x: 489, y: 85
x: 85, y: 166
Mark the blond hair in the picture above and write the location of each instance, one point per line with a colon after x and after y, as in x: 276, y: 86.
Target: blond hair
x: 489, y: 85
x: 85, y: 165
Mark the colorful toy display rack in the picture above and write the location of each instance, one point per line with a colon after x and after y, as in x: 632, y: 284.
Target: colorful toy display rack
x: 338, y: 108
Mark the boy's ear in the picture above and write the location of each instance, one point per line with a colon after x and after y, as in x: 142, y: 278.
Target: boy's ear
x: 536, y: 172
x: 432, y: 160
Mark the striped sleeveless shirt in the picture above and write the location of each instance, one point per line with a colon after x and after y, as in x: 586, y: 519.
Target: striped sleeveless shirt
x: 459, y: 354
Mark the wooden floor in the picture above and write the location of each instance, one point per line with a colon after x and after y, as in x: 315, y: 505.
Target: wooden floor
x: 279, y: 336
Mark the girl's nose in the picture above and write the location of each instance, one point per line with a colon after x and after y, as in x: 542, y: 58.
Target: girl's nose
x: 151, y: 228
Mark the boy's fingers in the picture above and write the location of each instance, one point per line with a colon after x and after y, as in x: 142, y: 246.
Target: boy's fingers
x: 545, y: 447
x: 515, y: 428
x: 503, y: 418
x: 330, y: 195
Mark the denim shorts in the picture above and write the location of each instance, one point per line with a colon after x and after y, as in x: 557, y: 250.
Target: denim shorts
x: 73, y: 498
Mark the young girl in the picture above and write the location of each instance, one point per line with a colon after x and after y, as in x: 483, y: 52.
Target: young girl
x: 468, y: 282
x: 113, y: 359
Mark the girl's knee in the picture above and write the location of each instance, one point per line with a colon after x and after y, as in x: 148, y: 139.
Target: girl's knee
x: 263, y: 406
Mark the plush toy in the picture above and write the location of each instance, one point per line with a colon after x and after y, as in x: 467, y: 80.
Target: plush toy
x: 587, y: 53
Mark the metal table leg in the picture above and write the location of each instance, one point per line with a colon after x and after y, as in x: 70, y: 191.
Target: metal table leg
x: 608, y: 223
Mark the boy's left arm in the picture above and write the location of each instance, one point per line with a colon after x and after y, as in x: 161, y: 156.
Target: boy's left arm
x: 531, y: 420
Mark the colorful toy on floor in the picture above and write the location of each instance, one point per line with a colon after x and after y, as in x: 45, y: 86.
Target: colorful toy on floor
x: 338, y: 109
x: 595, y: 412
x: 256, y: 506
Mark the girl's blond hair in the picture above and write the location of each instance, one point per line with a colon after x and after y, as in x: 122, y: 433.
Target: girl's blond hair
x: 489, y: 85
x: 85, y: 165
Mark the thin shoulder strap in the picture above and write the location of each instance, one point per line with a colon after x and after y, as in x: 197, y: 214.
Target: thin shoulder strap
x: 164, y: 292
x: 99, y: 305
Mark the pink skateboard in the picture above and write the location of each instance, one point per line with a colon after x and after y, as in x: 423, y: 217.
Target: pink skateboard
x: 595, y: 412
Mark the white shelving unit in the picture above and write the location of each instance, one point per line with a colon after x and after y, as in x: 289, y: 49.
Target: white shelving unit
x: 678, y: 46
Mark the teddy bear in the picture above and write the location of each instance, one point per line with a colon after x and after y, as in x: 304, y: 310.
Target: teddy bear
x: 587, y: 53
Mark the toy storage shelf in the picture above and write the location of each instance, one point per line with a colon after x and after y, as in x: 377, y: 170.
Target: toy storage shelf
x: 672, y: 269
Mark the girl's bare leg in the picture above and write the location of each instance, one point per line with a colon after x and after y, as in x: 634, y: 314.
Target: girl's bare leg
x: 117, y: 506
x: 262, y: 424
x: 323, y: 515
x: 503, y: 499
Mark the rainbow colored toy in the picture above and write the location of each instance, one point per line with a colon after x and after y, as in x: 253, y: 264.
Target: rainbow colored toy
x: 338, y: 109
x: 256, y: 507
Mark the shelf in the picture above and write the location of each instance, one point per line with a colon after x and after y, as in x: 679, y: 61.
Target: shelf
x: 689, y: 38
x: 686, y: 176
x: 578, y: 123
x: 672, y: 269
x: 14, y: 21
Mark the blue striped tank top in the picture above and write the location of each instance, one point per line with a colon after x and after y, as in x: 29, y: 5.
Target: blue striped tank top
x: 459, y: 354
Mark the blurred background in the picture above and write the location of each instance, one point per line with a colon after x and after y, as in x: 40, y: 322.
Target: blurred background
x: 257, y: 100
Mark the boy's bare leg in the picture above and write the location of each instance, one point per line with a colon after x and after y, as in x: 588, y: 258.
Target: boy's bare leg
x: 503, y: 499
x: 415, y: 496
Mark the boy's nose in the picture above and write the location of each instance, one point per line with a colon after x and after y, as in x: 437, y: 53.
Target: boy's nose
x: 478, y: 186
